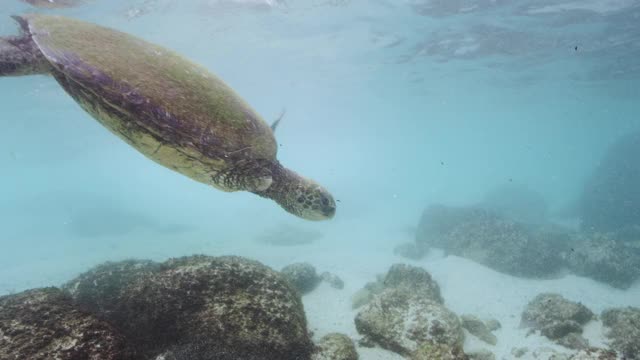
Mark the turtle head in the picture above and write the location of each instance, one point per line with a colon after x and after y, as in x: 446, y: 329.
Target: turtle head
x: 310, y: 201
x: 300, y: 196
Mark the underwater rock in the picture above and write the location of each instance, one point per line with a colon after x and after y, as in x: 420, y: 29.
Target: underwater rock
x: 595, y: 354
x: 547, y: 353
x: 201, y: 307
x: 335, y: 347
x: 43, y: 324
x: 586, y: 354
x: 516, y: 202
x: 367, y: 293
x: 478, y: 328
x: 302, y: 276
x: 499, y: 243
x: 623, y: 330
x: 610, y: 198
x: 482, y: 354
x: 333, y: 280
x: 413, y: 278
x: 606, y: 258
x: 556, y: 318
x: 573, y: 341
x: 401, y: 320
x: 493, y: 324
x: 519, y: 352
x: 439, y: 220
x: 431, y: 351
x: 99, y: 289
x: 411, y: 251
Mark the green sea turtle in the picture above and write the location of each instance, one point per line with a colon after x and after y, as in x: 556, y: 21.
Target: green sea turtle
x: 171, y: 110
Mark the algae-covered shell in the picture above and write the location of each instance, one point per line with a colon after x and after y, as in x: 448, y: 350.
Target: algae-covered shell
x: 169, y: 108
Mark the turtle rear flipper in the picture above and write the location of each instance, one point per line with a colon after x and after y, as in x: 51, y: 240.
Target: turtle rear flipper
x: 20, y: 56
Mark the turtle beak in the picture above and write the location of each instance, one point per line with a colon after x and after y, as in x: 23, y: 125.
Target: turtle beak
x: 328, y: 207
x: 329, y: 211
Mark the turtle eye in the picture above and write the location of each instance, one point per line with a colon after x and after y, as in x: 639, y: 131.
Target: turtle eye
x: 325, y: 202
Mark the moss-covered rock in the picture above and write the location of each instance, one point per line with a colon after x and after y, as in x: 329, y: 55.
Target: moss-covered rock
x: 478, y: 328
x: 413, y: 278
x: 557, y: 318
x: 482, y: 354
x: 333, y: 280
x: 431, y: 351
x: 586, y: 354
x: 610, y: 258
x: 302, y: 276
x: 595, y: 354
x: 402, y: 320
x: 367, y: 293
x: 43, y: 324
x: 573, y: 340
x: 100, y: 289
x: 399, y: 276
x: 519, y: 352
x: 492, y: 324
x: 335, y: 347
x: 623, y: 330
x: 200, y: 307
x: 494, y: 241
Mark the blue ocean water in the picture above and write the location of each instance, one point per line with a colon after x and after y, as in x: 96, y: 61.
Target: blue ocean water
x: 391, y: 105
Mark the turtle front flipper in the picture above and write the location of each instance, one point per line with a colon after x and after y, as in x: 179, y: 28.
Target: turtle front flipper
x: 20, y: 56
x: 251, y: 175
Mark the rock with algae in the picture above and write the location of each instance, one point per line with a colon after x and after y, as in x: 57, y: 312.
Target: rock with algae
x: 478, y: 328
x: 623, y: 330
x: 413, y: 278
x: 606, y: 257
x: 199, y: 307
x: 402, y: 320
x: 557, y: 318
x: 482, y: 354
x: 431, y: 351
x: 333, y: 280
x: 43, y: 324
x: 302, y: 276
x: 497, y: 242
x: 399, y: 276
x: 335, y: 347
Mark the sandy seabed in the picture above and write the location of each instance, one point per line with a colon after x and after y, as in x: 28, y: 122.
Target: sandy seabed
x: 356, y: 252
